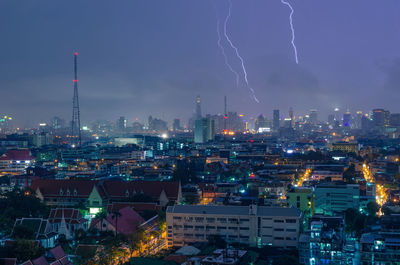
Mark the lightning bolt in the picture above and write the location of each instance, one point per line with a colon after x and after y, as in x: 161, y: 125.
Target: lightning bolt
x: 292, y: 28
x: 237, y: 53
x: 224, y: 54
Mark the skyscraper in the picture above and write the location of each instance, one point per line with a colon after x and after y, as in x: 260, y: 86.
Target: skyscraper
x: 357, y: 119
x: 176, y: 126
x: 380, y: 118
x: 313, y: 116
x: 276, y: 119
x: 198, y: 108
x: 204, y: 130
x: 121, y: 124
x: 347, y: 119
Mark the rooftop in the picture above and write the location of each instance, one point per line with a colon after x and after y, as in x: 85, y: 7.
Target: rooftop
x: 233, y: 210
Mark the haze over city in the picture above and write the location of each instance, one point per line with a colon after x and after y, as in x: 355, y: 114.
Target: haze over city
x: 138, y: 58
x: 208, y: 132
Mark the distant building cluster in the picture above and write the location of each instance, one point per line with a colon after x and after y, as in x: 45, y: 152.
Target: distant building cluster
x: 219, y: 189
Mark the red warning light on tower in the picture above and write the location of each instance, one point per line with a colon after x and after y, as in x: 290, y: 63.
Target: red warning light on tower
x: 76, y: 53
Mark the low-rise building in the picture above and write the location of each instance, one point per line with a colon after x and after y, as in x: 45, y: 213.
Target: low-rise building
x: 303, y: 199
x: 252, y: 225
x: 67, y: 221
x: 331, y: 198
x: 380, y: 248
x: 324, y: 242
x: 42, y: 230
x: 15, y: 161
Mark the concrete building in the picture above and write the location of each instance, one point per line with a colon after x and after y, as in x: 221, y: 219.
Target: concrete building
x: 325, y: 242
x: 345, y: 147
x: 303, y: 199
x: 252, y: 225
x: 331, y: 198
x: 15, y: 161
x: 41, y: 139
x: 380, y: 248
x: 276, y: 119
x: 204, y: 130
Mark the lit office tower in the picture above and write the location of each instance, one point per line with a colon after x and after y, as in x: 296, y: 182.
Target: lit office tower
x: 380, y: 118
x: 347, y: 119
x: 366, y: 123
x: 198, y: 108
x: 204, y: 130
x: 337, y: 116
x: 276, y: 119
x: 357, y: 120
x: 395, y: 119
x: 331, y: 119
x: 57, y: 123
x: 121, y: 123
x: 313, y: 116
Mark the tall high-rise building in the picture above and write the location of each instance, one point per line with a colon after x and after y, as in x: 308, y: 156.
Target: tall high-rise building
x: 366, y: 123
x: 198, y: 108
x: 313, y: 116
x: 204, y: 130
x: 357, y: 120
x: 57, y: 123
x: 176, y: 126
x: 157, y: 125
x: 347, y: 119
x: 380, y: 118
x: 331, y: 119
x: 336, y: 113
x: 395, y: 119
x: 276, y: 119
x: 121, y: 124
x: 260, y: 122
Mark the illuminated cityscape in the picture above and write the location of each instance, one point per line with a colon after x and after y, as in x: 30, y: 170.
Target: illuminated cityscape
x: 201, y: 133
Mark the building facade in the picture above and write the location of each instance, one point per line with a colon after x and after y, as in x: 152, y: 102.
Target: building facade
x: 331, y: 198
x: 252, y: 225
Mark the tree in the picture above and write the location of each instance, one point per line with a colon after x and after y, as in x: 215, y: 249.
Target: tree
x: 140, y: 197
x: 17, y: 204
x: 116, y: 214
x: 63, y: 242
x: 217, y: 241
x: 355, y: 221
x: 23, y: 232
x: 192, y: 198
x: 286, y: 259
x: 372, y: 208
x: 101, y: 216
x: 80, y: 234
x: 26, y: 249
x: 136, y: 241
x: 349, y: 174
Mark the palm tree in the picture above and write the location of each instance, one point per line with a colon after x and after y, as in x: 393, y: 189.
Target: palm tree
x: 101, y: 215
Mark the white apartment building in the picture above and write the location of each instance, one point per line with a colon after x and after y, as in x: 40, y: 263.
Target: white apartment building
x: 252, y: 225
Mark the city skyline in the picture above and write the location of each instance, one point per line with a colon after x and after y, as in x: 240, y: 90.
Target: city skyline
x: 132, y: 56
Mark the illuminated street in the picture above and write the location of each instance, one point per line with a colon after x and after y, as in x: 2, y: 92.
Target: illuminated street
x: 381, y: 192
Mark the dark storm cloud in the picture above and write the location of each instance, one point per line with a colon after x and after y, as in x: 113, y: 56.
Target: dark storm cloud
x: 138, y: 58
x: 391, y: 69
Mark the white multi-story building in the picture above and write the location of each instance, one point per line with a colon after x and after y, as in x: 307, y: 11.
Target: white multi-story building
x: 252, y: 225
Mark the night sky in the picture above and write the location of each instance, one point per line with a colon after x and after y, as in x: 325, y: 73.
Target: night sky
x: 138, y: 58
